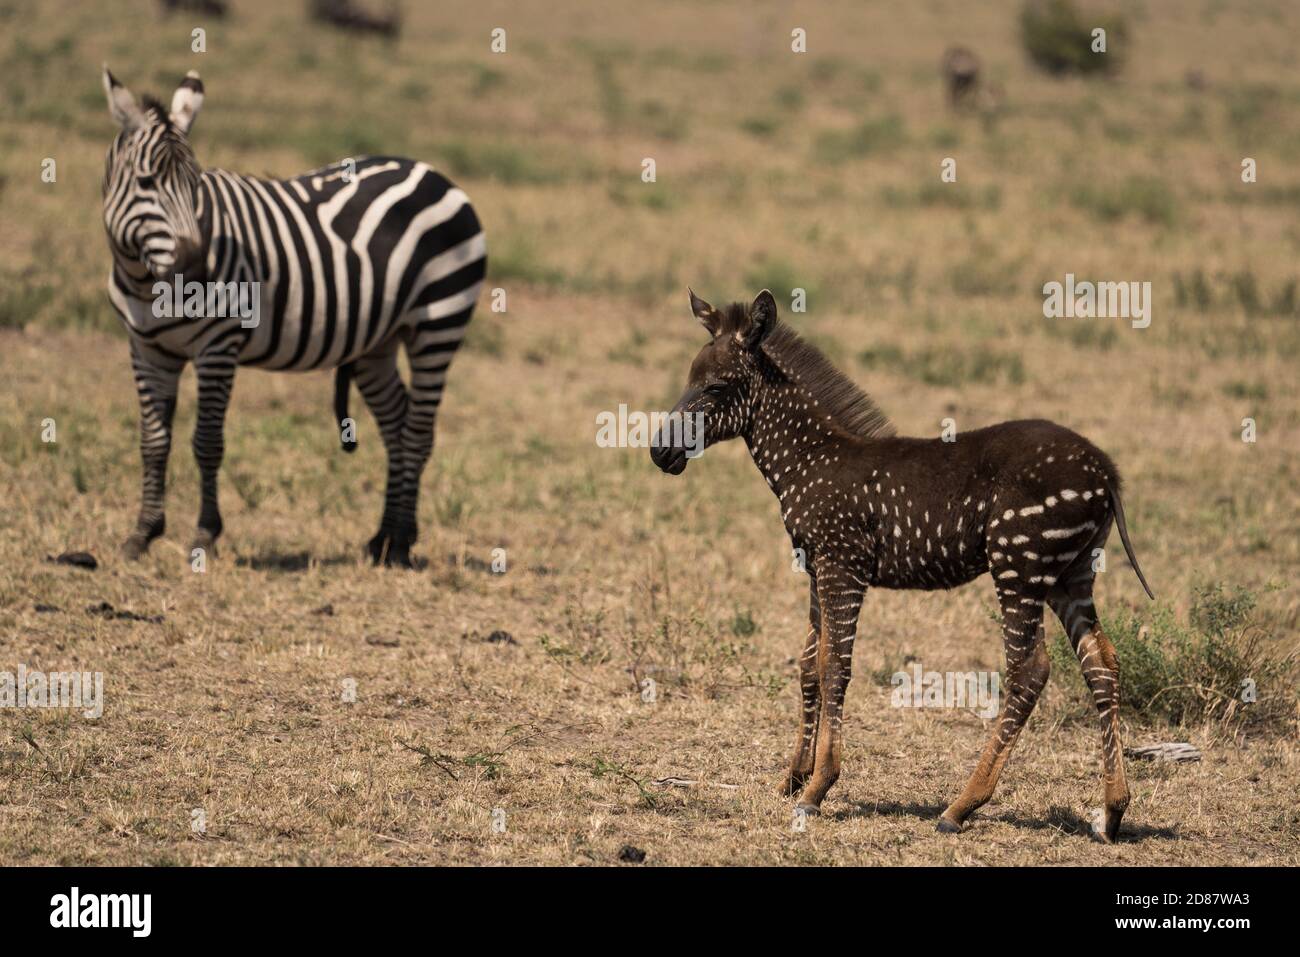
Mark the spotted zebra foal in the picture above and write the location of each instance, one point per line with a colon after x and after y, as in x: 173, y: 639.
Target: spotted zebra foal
x: 350, y: 263
x: 1028, y: 501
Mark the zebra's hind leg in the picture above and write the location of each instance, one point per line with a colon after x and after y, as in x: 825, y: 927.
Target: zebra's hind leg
x: 429, y: 350
x: 216, y: 375
x: 381, y: 386
x: 1071, y: 600
x: 156, y: 376
x: 1027, y: 670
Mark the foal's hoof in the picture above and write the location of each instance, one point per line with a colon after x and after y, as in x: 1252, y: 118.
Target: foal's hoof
x: 1104, y: 826
x: 808, y: 810
x: 946, y: 826
x: 791, y: 784
x: 134, y: 548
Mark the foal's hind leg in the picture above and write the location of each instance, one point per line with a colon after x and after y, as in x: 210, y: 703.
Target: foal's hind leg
x: 1027, y: 671
x: 801, y: 763
x: 1071, y: 600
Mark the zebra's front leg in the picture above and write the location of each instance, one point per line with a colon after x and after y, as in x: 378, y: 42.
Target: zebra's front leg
x: 216, y: 377
x: 839, y: 597
x: 156, y: 376
x: 801, y: 763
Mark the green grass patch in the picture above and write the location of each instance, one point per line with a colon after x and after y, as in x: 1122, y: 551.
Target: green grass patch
x: 1147, y: 197
x: 948, y: 366
x: 871, y: 137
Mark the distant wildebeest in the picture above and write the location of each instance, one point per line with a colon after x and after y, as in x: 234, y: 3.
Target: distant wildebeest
x: 346, y: 15
x: 342, y: 266
x: 1029, y: 501
x: 211, y: 8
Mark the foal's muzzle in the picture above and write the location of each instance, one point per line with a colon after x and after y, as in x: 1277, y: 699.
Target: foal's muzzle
x: 669, y: 447
x: 671, y: 459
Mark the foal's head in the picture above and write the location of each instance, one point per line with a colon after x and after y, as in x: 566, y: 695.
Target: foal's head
x: 151, y: 179
x: 722, y: 381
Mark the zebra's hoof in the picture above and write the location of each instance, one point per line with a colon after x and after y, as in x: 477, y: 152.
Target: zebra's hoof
x: 398, y: 559
x: 390, y: 551
x: 204, y: 542
x: 946, y: 826
x: 808, y: 810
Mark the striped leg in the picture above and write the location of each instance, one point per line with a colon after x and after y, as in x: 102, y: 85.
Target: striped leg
x: 430, y: 353
x: 1027, y: 671
x: 839, y: 597
x: 216, y: 375
x: 1072, y: 602
x: 381, y: 386
x: 801, y: 764
x: 156, y: 376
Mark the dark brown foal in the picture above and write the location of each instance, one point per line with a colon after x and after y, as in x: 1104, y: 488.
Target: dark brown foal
x: 1030, y: 502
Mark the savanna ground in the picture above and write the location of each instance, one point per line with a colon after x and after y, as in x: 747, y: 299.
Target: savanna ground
x: 818, y: 171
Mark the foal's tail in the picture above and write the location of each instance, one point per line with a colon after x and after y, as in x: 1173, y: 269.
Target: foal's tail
x: 1118, y: 509
x: 342, y: 382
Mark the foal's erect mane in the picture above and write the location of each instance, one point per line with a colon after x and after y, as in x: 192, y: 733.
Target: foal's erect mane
x: 848, y: 406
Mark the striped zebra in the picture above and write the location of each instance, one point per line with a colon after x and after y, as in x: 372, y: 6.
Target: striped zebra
x: 348, y: 262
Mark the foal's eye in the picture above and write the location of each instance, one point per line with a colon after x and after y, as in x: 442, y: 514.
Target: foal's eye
x: 716, y: 389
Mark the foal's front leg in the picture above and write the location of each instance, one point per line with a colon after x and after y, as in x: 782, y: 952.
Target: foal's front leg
x: 801, y: 764
x: 839, y: 596
x: 216, y: 375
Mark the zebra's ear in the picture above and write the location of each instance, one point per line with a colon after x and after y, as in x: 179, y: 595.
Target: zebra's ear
x: 708, y: 316
x: 121, y: 103
x: 762, y: 320
x: 186, y: 101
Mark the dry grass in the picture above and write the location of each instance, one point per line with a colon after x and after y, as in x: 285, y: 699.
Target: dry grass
x: 773, y: 169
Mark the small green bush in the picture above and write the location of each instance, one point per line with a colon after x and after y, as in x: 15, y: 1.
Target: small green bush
x: 1202, y: 671
x: 1059, y: 39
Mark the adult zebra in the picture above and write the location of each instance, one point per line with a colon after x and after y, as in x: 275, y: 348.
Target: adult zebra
x: 348, y: 262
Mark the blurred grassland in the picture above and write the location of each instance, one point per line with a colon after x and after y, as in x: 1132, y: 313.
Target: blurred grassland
x: 816, y: 171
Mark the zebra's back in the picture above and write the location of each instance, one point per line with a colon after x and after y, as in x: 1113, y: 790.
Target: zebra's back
x: 344, y: 258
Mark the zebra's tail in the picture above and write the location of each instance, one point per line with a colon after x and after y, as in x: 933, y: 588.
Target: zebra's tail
x: 1123, y: 537
x: 347, y: 429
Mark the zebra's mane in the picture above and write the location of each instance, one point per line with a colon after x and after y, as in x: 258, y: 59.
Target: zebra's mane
x: 848, y: 406
x: 151, y: 104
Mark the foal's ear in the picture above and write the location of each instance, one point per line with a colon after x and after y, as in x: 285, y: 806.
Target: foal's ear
x: 762, y: 320
x: 708, y: 316
x: 121, y: 103
x: 186, y: 101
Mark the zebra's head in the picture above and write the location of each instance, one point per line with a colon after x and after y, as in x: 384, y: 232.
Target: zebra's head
x: 151, y: 181
x: 723, y: 381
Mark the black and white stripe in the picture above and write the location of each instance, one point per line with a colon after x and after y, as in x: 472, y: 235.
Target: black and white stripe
x: 352, y: 262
